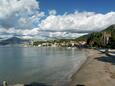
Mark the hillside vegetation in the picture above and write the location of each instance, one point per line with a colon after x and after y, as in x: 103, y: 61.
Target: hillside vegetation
x: 96, y: 39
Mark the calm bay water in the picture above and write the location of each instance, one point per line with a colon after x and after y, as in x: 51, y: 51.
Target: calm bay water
x: 46, y: 65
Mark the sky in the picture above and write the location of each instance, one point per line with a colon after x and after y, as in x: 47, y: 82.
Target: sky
x: 62, y: 6
x: 43, y: 19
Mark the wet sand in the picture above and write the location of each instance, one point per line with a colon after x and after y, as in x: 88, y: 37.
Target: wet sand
x: 98, y: 70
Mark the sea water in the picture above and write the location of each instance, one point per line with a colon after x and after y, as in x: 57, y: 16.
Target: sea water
x: 39, y: 64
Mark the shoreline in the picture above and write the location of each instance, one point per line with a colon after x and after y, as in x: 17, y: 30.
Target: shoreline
x: 82, y: 65
x: 97, y: 70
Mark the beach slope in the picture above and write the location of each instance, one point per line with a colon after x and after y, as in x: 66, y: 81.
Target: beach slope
x: 98, y: 70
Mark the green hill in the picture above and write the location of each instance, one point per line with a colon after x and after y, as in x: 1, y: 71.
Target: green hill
x: 13, y: 41
x: 103, y: 39
x: 82, y: 38
x: 110, y: 29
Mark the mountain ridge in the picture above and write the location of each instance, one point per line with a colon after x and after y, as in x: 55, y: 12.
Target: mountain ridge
x: 14, y: 40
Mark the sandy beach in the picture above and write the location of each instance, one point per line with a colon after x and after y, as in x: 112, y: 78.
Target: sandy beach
x: 98, y: 70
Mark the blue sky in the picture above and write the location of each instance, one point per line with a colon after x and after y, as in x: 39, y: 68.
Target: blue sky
x: 62, y: 6
x: 54, y: 18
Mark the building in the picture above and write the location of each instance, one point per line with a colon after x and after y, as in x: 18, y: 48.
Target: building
x: 106, y: 36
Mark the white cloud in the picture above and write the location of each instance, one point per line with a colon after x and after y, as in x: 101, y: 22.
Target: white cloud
x: 13, y: 31
x: 20, y: 14
x: 78, y: 22
x: 52, y: 12
x: 35, y: 33
x: 24, y: 18
x: 7, y: 7
x: 65, y: 35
